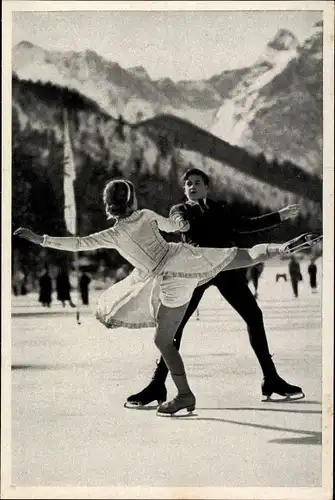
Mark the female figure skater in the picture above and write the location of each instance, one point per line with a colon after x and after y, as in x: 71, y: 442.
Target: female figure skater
x: 157, y: 292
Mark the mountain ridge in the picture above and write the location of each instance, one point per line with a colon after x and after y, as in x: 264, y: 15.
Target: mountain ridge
x: 272, y: 107
x: 177, y: 134
x: 276, y: 108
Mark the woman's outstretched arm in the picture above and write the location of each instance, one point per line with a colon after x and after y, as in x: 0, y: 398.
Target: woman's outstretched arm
x: 102, y: 239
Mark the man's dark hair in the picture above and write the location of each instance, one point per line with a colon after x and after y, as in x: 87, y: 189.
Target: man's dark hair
x: 195, y: 171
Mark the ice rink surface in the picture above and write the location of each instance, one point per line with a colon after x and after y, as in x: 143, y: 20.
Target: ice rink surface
x: 69, y: 384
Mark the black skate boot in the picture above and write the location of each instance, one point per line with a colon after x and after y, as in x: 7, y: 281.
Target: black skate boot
x: 274, y: 384
x: 155, y: 391
x: 180, y: 402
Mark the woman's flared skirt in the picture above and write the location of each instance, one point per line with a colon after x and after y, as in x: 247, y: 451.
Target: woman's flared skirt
x: 133, y: 302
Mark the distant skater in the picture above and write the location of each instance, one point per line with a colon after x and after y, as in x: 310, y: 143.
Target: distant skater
x: 45, y: 283
x: 312, y: 271
x: 295, y: 275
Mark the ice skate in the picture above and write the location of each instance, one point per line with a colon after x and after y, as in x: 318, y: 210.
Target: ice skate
x: 155, y: 391
x: 302, y: 242
x: 276, y: 385
x: 180, y: 402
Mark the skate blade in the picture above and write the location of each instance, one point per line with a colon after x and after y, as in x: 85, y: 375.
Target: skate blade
x: 137, y: 406
x: 178, y: 414
x: 304, y: 245
x: 289, y: 398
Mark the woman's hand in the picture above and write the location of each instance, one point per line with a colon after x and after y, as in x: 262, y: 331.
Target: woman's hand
x: 22, y: 232
x: 177, y: 217
x: 289, y: 212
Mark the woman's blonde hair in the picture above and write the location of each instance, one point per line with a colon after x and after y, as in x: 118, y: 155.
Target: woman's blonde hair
x: 119, y: 197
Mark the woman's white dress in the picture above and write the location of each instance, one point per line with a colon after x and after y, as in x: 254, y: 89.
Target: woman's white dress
x: 163, y: 272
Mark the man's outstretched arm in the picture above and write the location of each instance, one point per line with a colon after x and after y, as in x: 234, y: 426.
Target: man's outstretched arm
x: 267, y: 221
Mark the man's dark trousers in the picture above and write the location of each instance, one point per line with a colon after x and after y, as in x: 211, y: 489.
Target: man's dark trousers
x: 233, y: 286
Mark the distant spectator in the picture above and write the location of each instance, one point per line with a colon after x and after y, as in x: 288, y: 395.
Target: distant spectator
x: 83, y: 285
x: 24, y: 287
x: 312, y: 271
x: 295, y: 275
x: 45, y: 296
x: 255, y: 273
x: 18, y: 283
x: 63, y: 288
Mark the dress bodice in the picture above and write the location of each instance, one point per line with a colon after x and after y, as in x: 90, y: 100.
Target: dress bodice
x: 137, y: 238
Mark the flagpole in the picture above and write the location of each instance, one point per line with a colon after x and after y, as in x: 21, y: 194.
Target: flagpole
x: 76, y: 270
x: 70, y: 212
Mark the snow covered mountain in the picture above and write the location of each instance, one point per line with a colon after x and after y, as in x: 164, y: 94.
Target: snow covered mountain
x: 146, y: 153
x: 106, y: 82
x: 276, y: 108
x: 272, y: 107
x: 117, y: 90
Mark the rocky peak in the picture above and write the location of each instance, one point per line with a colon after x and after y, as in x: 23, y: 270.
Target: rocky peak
x: 25, y: 45
x: 139, y: 72
x: 284, y: 40
x: 25, y: 53
x: 318, y: 26
x: 164, y: 82
x: 91, y: 54
x: 314, y: 42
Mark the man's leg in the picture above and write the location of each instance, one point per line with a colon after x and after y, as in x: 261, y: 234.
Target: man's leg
x: 238, y: 294
x: 240, y: 297
x: 156, y: 389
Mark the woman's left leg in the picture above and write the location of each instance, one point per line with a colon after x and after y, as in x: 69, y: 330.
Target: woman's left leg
x: 168, y: 321
x: 246, y: 257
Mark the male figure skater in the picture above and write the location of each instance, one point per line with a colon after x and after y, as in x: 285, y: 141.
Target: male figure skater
x: 212, y: 224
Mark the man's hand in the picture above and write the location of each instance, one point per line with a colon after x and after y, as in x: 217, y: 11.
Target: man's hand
x: 22, y: 232
x: 289, y: 212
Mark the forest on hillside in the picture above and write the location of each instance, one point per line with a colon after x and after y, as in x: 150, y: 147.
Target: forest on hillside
x: 104, y: 147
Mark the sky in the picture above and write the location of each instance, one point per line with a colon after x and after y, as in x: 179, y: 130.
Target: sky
x: 181, y: 45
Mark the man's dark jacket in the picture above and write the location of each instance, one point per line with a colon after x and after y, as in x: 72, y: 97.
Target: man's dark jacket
x: 217, y: 226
